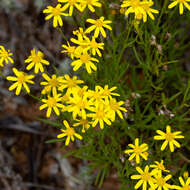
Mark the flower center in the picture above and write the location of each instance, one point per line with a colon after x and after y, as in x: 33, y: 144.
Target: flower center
x: 4, y: 54
x: 53, y: 82
x: 135, y: 3
x: 71, y: 49
x: 114, y: 106
x: 81, y: 104
x: 100, y: 114
x: 36, y: 59
x: 56, y: 12
x: 94, y: 44
x: 51, y: 102
x: 72, y: 2
x: 71, y: 83
x: 161, y: 182
x: 99, y: 23
x: 185, y: 187
x: 169, y: 137
x: 84, y: 121
x: 88, y: 1
x: 85, y: 58
x: 137, y: 150
x: 161, y: 166
x: 70, y: 131
x: 22, y: 78
x: 146, y: 176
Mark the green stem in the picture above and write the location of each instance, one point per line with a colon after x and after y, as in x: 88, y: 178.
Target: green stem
x: 63, y: 35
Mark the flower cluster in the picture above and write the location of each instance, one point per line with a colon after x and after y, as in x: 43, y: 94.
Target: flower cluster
x: 155, y: 178
x: 86, y: 47
x: 22, y: 78
x: 143, y: 8
x: 5, y: 56
x: 88, y: 107
x: 66, y: 8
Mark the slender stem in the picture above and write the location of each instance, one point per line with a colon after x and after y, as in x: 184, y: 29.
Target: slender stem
x: 62, y: 33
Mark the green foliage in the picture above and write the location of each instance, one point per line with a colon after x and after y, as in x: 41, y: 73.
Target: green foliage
x: 145, y: 62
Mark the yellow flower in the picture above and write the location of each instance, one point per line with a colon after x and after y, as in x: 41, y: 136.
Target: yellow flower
x: 90, y: 4
x: 52, y: 84
x: 86, y: 59
x: 96, y: 96
x: 137, y: 151
x: 186, y: 174
x: 69, y: 49
x: 107, y: 93
x: 78, y: 105
x: 36, y: 60
x: 98, y: 26
x: 5, y: 56
x: 133, y: 6
x: 144, y: 178
x: 159, y: 166
x: 85, y: 124
x: 160, y: 182
x: 100, y: 116
x: 69, y: 132
x: 185, y: 185
x: 70, y: 83
x: 52, y: 103
x: 71, y: 4
x: 169, y: 137
x: 56, y: 13
x: 21, y: 79
x: 181, y: 4
x: 80, y: 33
x: 115, y: 107
x: 93, y: 46
x: 146, y: 6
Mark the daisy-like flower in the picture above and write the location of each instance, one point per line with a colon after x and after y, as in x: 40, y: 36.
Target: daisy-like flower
x: 96, y: 96
x: 36, y: 60
x: 52, y: 103
x: 169, y: 137
x: 108, y: 93
x: 98, y: 26
x: 137, y: 151
x: 70, y: 83
x: 90, y: 4
x: 181, y: 4
x: 186, y: 174
x: 146, y: 5
x: 80, y: 33
x: 78, y: 105
x: 159, y: 166
x: 85, y: 59
x: 20, y: 80
x: 51, y: 84
x: 185, y: 185
x: 144, y: 177
x: 5, y: 56
x: 69, y: 133
x: 160, y: 182
x: 71, y: 4
x: 69, y: 49
x: 100, y: 116
x: 93, y: 46
x: 133, y: 6
x: 84, y: 123
x: 115, y: 107
x: 56, y: 13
